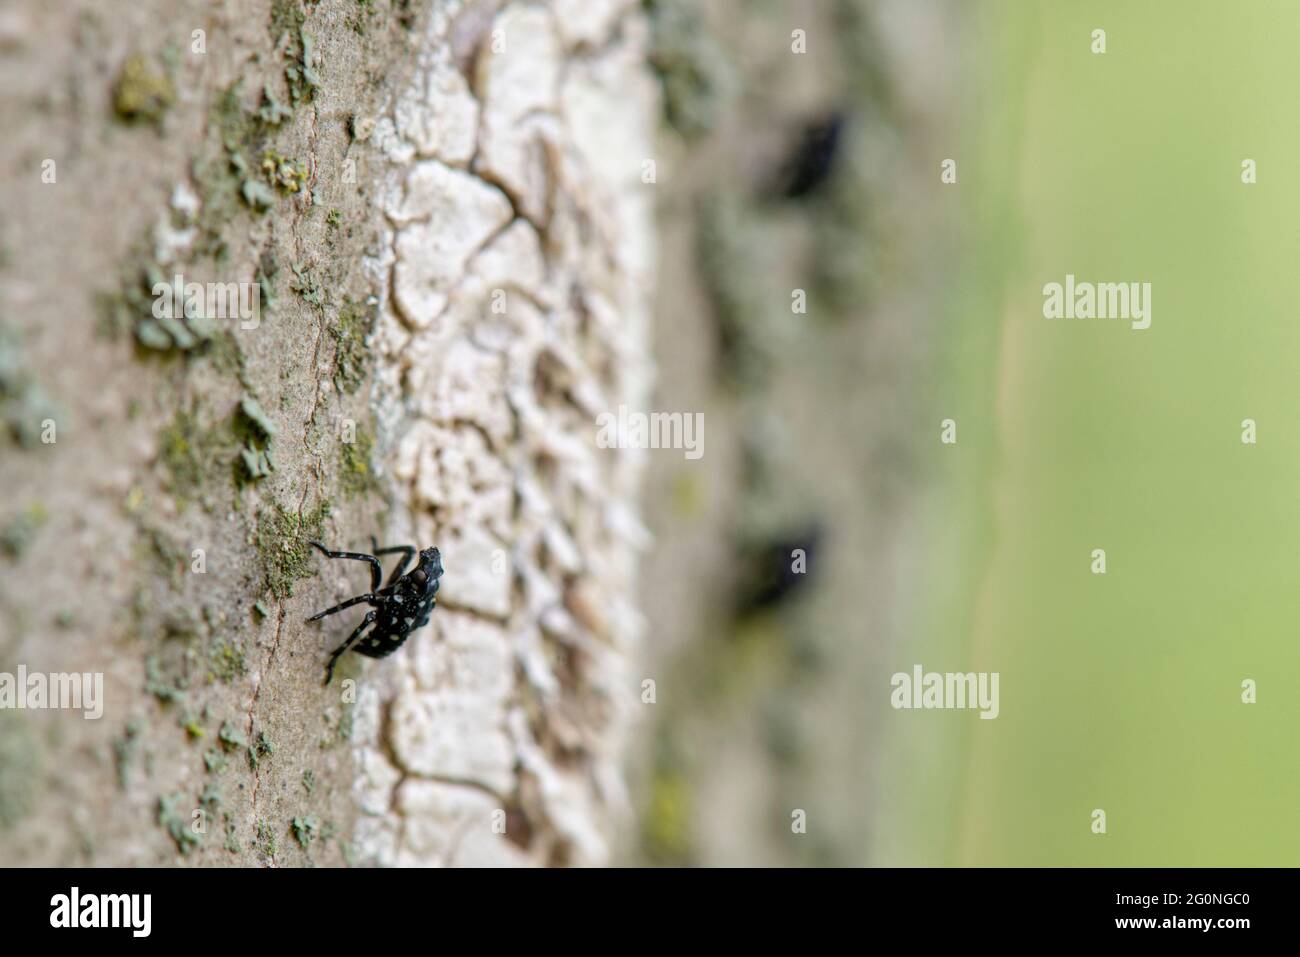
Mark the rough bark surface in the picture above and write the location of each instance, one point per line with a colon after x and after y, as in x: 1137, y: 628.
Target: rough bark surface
x: 517, y: 257
x: 442, y: 205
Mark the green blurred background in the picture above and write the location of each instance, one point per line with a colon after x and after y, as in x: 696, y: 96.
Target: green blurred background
x: 1122, y: 691
x: 1119, y: 691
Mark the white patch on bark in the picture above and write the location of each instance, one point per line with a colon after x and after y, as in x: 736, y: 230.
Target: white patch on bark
x: 512, y: 705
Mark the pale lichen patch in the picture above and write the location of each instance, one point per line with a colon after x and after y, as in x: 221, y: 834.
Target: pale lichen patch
x: 517, y: 79
x: 446, y: 216
x: 513, y: 309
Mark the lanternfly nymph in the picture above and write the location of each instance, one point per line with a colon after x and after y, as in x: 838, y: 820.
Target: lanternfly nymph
x: 399, y: 608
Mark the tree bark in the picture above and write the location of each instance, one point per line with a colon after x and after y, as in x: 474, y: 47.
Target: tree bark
x: 441, y: 209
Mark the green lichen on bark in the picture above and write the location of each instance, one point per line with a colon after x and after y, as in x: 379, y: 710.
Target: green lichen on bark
x: 19, y: 531
x: 266, y: 842
x: 304, y: 830
x: 124, y: 749
x: 283, y: 547
x: 133, y: 308
x: 175, y: 824
x: 254, y: 432
x: 286, y: 28
x: 230, y: 737
x: 356, y: 467
x: 284, y: 172
x: 227, y: 660
x: 232, y: 839
x: 167, y: 687
x: 214, y: 761
x: 143, y: 92
x: 351, y: 355
x: 187, y: 450
x: 259, y: 749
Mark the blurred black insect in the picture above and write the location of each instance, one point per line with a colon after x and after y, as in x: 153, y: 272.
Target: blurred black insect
x: 397, y: 609
x: 813, y: 159
x: 773, y: 569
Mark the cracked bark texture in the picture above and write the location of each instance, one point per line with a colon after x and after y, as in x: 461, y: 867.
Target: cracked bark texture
x: 516, y: 271
x: 472, y: 174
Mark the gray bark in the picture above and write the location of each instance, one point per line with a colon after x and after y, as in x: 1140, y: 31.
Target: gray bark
x: 444, y: 204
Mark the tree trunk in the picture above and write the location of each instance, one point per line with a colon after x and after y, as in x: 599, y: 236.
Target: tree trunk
x: 437, y: 217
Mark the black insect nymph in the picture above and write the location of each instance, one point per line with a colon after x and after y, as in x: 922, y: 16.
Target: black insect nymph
x: 397, y: 609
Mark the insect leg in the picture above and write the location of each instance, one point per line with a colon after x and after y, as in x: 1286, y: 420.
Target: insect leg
x: 408, y: 553
x: 376, y: 569
x: 339, y: 607
x: 365, y: 623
